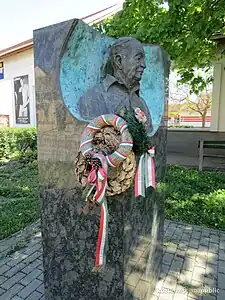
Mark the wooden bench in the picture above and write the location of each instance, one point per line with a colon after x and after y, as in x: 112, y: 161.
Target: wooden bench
x: 209, y: 145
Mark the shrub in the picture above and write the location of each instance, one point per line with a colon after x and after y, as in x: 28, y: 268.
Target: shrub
x: 16, y: 142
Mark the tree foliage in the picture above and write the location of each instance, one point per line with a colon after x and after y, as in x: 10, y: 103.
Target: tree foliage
x: 184, y: 28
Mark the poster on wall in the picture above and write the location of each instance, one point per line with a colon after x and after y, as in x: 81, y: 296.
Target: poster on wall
x: 1, y: 70
x: 22, y: 100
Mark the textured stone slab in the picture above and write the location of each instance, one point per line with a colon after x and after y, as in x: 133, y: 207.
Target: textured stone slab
x: 69, y: 237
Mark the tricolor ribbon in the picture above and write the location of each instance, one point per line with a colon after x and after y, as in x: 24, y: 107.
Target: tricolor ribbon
x: 98, y: 179
x: 145, y: 174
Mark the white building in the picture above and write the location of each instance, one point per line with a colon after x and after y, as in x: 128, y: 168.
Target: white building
x: 17, y: 83
x: 218, y: 99
x: 17, y: 62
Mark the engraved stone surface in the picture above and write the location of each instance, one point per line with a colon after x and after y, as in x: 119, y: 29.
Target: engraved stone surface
x: 69, y: 236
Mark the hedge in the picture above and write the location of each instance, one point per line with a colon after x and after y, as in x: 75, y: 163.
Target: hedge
x: 16, y: 142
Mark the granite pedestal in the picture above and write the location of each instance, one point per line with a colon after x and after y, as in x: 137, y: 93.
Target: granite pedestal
x: 69, y: 237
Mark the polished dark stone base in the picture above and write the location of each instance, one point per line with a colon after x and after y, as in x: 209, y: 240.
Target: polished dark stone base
x: 69, y: 240
x: 134, y: 242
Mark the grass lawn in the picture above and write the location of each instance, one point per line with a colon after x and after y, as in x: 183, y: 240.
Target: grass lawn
x: 195, y: 197
x: 192, y: 197
x: 19, y: 204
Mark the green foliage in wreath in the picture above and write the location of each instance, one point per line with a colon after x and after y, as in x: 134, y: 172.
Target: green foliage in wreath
x: 137, y: 130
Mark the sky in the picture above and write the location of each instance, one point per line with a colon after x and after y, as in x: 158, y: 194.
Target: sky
x: 20, y: 17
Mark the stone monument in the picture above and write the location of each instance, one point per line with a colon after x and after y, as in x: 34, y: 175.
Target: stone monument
x: 80, y: 75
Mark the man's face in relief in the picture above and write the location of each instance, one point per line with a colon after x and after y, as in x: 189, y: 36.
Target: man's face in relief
x: 133, y: 61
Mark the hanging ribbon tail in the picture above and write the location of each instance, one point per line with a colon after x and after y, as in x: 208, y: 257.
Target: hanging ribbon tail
x: 101, y: 186
x: 90, y: 191
x: 102, y: 238
x: 145, y: 174
x: 149, y: 171
x: 139, y: 187
x: 100, y: 179
x: 92, y: 176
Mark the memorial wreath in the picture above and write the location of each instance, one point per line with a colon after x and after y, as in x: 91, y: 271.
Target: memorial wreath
x: 106, y: 164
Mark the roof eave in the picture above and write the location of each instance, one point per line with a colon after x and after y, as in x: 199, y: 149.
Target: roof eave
x: 16, y: 51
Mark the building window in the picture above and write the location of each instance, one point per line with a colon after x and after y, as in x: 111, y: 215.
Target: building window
x: 1, y: 70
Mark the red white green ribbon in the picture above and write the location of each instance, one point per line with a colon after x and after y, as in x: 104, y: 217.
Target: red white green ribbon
x: 102, y: 236
x: 145, y: 174
x: 99, y: 180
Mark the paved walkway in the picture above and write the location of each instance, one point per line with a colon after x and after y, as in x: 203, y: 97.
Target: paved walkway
x: 193, y: 264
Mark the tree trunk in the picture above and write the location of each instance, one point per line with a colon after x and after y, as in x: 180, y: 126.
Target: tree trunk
x: 203, y: 120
